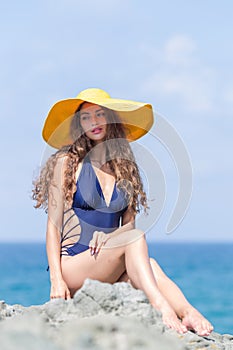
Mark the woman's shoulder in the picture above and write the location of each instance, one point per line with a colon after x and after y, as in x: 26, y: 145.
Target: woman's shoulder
x: 61, y: 161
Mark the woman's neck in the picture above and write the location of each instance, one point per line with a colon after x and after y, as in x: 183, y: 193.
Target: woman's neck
x: 97, y: 154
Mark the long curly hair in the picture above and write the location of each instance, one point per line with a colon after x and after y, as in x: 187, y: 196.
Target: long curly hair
x: 119, y: 160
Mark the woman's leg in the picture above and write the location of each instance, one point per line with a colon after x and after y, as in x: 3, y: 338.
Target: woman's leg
x: 110, y: 264
x: 191, y: 318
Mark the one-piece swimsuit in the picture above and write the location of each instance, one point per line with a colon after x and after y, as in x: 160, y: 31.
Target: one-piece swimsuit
x: 92, y: 211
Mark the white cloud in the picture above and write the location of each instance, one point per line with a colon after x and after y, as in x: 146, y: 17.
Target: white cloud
x: 179, y: 75
x: 192, y: 92
x: 179, y: 50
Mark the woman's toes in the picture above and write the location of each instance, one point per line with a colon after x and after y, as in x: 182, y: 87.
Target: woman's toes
x: 193, y: 320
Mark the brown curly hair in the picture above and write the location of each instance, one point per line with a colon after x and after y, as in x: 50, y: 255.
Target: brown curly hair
x: 119, y: 159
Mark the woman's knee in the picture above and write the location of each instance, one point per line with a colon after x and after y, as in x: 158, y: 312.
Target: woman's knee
x: 138, y: 232
x: 122, y: 240
x: 136, y: 235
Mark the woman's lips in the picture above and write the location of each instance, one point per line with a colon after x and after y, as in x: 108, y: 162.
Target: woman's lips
x: 96, y: 131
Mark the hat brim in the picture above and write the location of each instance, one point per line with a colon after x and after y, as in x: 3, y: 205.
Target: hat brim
x: 137, y: 118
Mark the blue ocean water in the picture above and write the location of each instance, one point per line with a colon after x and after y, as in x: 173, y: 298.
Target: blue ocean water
x: 204, y: 272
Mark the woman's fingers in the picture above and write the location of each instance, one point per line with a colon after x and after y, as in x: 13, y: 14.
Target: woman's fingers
x: 93, y: 243
x: 98, y: 240
x: 59, y: 290
x: 57, y: 296
x: 101, y: 242
x: 65, y: 295
x: 68, y: 294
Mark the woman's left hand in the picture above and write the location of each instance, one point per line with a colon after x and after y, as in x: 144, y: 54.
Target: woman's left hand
x: 98, y: 241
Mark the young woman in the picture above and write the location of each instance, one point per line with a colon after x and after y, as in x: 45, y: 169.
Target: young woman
x: 92, y: 191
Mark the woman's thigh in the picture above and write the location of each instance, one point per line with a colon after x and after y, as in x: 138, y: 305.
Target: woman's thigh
x: 107, y: 266
x: 157, y: 271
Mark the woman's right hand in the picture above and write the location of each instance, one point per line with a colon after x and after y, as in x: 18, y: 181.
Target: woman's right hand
x: 59, y: 289
x: 98, y: 241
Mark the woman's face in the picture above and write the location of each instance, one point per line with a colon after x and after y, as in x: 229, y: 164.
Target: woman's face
x: 93, y: 121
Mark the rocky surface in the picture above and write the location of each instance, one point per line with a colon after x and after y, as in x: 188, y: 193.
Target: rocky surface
x: 100, y: 316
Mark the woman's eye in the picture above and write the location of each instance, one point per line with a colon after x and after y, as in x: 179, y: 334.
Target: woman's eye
x: 84, y: 117
x: 101, y: 114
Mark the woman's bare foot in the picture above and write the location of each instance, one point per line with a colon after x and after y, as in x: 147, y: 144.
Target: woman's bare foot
x: 171, y: 321
x: 193, y: 320
x: 170, y: 318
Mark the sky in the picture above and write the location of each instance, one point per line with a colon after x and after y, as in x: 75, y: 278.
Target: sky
x: 177, y: 55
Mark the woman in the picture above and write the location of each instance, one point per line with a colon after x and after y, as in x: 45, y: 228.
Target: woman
x: 92, y: 190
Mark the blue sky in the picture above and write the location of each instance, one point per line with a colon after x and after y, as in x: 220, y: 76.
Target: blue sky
x: 178, y: 55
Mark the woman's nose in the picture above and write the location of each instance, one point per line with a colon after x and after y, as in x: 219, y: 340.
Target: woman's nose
x: 93, y: 120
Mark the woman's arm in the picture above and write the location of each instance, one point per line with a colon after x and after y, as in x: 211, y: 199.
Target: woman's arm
x: 59, y: 288
x: 128, y: 223
x: 121, y: 236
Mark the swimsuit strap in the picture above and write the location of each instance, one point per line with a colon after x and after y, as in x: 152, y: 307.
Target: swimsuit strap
x: 68, y: 229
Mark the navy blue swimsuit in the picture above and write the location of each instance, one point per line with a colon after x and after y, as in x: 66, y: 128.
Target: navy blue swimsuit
x: 92, y: 211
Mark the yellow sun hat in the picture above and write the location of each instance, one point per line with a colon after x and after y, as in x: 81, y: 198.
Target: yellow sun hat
x: 137, y: 117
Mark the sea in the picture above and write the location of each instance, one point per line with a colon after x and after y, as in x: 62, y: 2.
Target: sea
x: 203, y: 271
